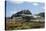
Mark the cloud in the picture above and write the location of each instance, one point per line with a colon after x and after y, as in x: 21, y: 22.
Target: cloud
x: 21, y: 1
x: 16, y: 1
x: 35, y: 4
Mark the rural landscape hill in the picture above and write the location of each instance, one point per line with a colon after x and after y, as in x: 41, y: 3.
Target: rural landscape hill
x: 24, y: 20
x: 18, y: 14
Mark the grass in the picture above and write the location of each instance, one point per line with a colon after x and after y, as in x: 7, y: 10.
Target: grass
x: 24, y: 25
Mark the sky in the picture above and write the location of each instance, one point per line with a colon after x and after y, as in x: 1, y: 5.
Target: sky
x: 13, y: 7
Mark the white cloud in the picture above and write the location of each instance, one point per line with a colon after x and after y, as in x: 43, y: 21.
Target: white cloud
x: 35, y: 4
x: 21, y: 1
x: 16, y: 1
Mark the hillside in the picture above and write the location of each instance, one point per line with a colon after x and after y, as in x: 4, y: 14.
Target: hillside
x: 19, y: 22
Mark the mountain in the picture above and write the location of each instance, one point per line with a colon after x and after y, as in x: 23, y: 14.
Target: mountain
x: 42, y: 14
x: 18, y: 14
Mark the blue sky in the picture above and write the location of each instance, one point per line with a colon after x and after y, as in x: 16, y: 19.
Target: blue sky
x: 34, y: 7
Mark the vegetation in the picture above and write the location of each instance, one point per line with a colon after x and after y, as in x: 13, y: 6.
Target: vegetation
x: 24, y: 25
x: 41, y: 14
x: 14, y: 25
